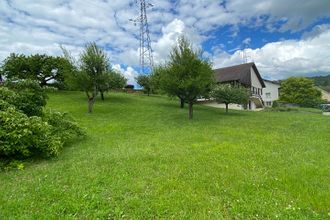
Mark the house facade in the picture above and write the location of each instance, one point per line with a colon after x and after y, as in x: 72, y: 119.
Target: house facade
x: 246, y: 75
x: 271, y: 92
x: 262, y: 92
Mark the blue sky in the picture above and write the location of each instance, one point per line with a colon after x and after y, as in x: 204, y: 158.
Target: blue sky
x: 284, y: 38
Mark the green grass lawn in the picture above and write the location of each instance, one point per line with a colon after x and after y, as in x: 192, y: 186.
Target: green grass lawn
x: 143, y: 159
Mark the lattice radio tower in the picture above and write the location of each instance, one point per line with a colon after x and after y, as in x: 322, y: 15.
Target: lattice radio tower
x: 145, y: 50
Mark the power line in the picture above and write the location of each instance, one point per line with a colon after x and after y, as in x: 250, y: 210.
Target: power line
x: 145, y: 50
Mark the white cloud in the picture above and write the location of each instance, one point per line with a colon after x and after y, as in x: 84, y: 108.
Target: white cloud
x: 247, y: 41
x: 281, y: 59
x: 170, y: 34
x: 39, y: 26
x: 129, y: 73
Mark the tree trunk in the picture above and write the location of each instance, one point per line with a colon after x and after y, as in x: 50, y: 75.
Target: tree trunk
x: 148, y: 92
x: 190, y: 110
x: 102, y: 95
x: 226, y: 107
x: 181, y: 103
x: 90, y: 105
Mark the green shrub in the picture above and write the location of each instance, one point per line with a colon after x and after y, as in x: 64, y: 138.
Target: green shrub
x: 4, y: 105
x: 22, y: 136
x: 26, y: 130
x: 28, y: 96
x: 8, y: 96
x: 50, y: 89
x: 63, y: 126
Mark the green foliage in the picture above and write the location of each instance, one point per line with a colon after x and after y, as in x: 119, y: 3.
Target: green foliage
x: 22, y: 136
x: 42, y: 68
x: 322, y: 81
x: 91, y: 75
x: 26, y: 95
x: 301, y: 91
x: 25, y: 131
x: 186, y: 75
x: 110, y: 80
x: 225, y: 93
x: 156, y: 77
x: 63, y: 126
x: 145, y: 82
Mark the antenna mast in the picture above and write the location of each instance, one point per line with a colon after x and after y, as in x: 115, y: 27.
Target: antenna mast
x: 145, y: 50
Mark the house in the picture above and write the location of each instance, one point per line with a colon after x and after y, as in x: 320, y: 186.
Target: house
x: 271, y: 92
x: 246, y: 75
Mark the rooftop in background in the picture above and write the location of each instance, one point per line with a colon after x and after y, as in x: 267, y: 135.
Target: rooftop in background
x: 273, y: 81
x: 240, y: 73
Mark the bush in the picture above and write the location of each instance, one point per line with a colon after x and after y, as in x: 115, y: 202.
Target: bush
x: 25, y: 95
x: 62, y: 125
x: 22, y: 136
x: 8, y: 96
x: 26, y: 130
x: 50, y: 89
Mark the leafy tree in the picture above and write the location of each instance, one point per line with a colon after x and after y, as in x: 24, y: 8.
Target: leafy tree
x: 109, y: 80
x: 227, y: 94
x: 301, y: 91
x: 155, y: 79
x: 145, y: 82
x: 186, y: 75
x: 42, y: 68
x: 93, y: 66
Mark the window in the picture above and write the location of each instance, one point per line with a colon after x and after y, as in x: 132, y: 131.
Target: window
x: 267, y: 94
x: 269, y: 103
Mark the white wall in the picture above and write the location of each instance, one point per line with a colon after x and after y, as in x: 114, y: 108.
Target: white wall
x: 254, y: 79
x: 271, y: 88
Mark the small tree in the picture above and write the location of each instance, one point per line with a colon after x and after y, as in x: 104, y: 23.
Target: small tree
x: 145, y: 82
x: 186, y: 75
x: 109, y: 80
x: 228, y: 94
x: 93, y: 65
x: 301, y: 91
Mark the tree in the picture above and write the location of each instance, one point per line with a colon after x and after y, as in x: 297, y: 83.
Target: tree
x: 93, y: 65
x: 186, y: 75
x: 155, y: 79
x: 109, y: 80
x: 301, y: 91
x: 43, y: 68
x: 227, y: 94
x: 145, y: 82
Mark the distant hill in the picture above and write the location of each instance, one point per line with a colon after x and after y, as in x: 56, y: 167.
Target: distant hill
x: 322, y: 82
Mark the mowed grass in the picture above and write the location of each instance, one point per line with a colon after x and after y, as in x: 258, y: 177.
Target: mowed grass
x: 143, y: 159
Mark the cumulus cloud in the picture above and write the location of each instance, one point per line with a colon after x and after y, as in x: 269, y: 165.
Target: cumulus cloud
x: 129, y: 73
x: 278, y: 60
x: 41, y: 26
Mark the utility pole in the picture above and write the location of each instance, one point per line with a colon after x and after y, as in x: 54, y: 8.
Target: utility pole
x: 145, y: 50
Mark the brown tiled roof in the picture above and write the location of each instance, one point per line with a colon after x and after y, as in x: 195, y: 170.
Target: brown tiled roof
x: 240, y: 73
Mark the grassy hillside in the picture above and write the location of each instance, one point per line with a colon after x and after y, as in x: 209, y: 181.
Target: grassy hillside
x: 322, y: 81
x: 143, y: 159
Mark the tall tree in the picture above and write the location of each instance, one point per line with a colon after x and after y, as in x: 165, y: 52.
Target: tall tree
x: 43, y: 68
x: 145, y: 82
x: 93, y: 64
x: 186, y: 75
x: 228, y: 94
x: 301, y: 91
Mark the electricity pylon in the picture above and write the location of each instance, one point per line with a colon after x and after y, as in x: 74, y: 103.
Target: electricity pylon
x: 145, y: 50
